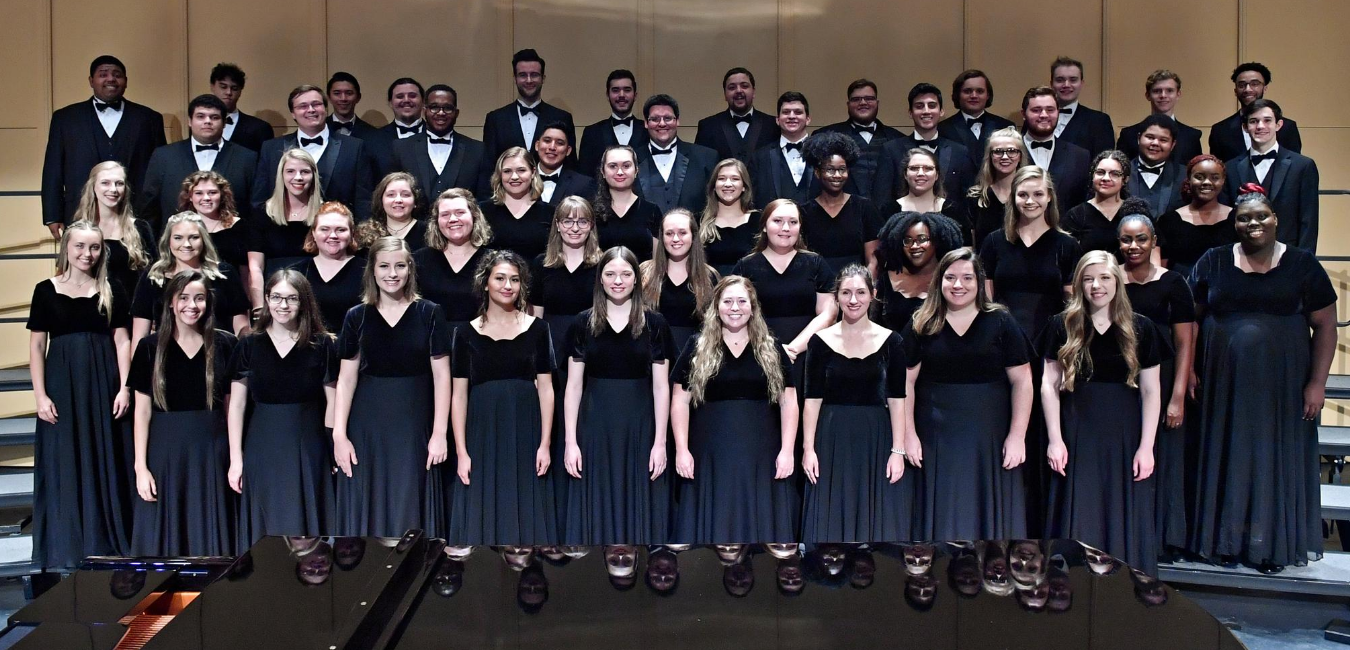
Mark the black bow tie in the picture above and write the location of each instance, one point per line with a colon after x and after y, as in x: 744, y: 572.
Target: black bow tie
x: 229, y: 120
x: 410, y: 130
x: 661, y: 152
x: 742, y: 118
x: 1258, y: 157
x: 207, y: 147
x: 343, y: 127
x: 435, y: 140
x: 1047, y: 144
x: 550, y: 177
x: 871, y: 128
x: 317, y: 140
x: 526, y: 110
x: 930, y: 145
x: 1145, y: 168
x: 102, y: 106
x: 1066, y: 111
x: 792, y: 146
x: 972, y: 120
x: 621, y: 121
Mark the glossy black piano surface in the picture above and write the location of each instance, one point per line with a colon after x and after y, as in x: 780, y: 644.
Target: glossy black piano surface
x: 340, y: 593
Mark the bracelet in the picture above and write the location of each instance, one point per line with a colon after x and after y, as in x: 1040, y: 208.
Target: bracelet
x: 900, y: 452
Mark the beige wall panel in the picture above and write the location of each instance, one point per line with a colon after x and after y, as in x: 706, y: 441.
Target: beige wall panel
x: 1327, y: 146
x: 867, y: 39
x: 1198, y: 41
x: 696, y: 41
x: 21, y: 163
x: 22, y: 218
x: 463, y: 44
x: 1015, y: 43
x: 576, y: 75
x: 20, y: 276
x: 1333, y: 235
x: 16, y: 404
x: 1304, y: 43
x: 25, y: 31
x: 14, y: 342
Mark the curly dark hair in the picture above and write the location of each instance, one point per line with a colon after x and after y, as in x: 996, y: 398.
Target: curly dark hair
x: 1135, y: 205
x: 824, y: 145
x: 944, y: 232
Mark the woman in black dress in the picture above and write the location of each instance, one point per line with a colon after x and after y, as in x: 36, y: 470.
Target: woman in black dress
x: 78, y: 355
x: 288, y: 366
x: 211, y: 196
x: 836, y: 225
x: 911, y: 245
x: 728, y: 225
x: 518, y: 218
x: 618, y: 354
x: 1257, y: 300
x: 677, y: 282
x: 924, y: 192
x: 853, y: 426
x: 1101, y: 399
x: 734, y: 419
x: 454, y: 247
x: 186, y: 246
x: 1004, y: 154
x: 393, y: 403
x: 279, y: 232
x: 396, y: 209
x: 1187, y: 232
x: 1093, y: 222
x: 335, y: 270
x: 624, y: 218
x: 128, y: 242
x: 971, y: 393
x: 179, y: 376
x: 1165, y: 298
x: 502, y: 415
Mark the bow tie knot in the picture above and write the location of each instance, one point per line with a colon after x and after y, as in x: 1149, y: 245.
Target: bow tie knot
x: 316, y: 140
x: 971, y: 120
x: 409, y: 130
x: 435, y: 140
x: 1258, y: 158
x: 656, y: 151
x: 116, y: 105
x: 229, y: 120
x: 737, y: 119
x: 620, y: 121
x: 207, y: 147
x: 526, y: 110
x: 547, y: 178
x: 1046, y: 144
x: 858, y: 128
x: 793, y: 146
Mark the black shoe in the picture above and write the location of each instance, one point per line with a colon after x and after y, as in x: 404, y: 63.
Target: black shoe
x: 1228, y: 561
x: 1270, y: 569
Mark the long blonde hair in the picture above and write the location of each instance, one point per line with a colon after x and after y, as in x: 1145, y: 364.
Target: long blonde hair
x: 1073, y: 355
x: 701, y: 276
x: 479, y: 235
x: 577, y: 208
x: 929, y: 318
x: 87, y: 210
x: 707, y: 223
x: 168, y: 330
x: 985, y: 178
x: 105, y: 294
x: 370, y: 291
x: 276, y: 205
x: 163, y: 266
x: 637, y: 310
x: 1010, y: 213
x: 708, y: 357
x: 499, y: 190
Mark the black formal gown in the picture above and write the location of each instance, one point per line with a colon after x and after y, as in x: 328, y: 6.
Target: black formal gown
x: 1030, y: 280
x: 897, y: 309
x: 341, y: 292
x: 452, y: 289
x: 841, y: 239
x: 988, y: 219
x: 788, y: 299
x: 1183, y: 242
x: 615, y: 501
x: 680, y: 309
x: 390, y: 423
x: 83, y: 487
x: 228, y: 293
x: 853, y: 501
x: 188, y: 454
x: 731, y: 245
x: 636, y: 229
x: 288, y: 454
x: 232, y: 243
x: 962, y: 413
x: 1167, y: 301
x: 1257, y: 492
x: 1097, y: 501
x: 119, y: 260
x: 526, y: 235
x: 281, y: 246
x: 735, y: 436
x: 1091, y: 228
x: 505, y: 502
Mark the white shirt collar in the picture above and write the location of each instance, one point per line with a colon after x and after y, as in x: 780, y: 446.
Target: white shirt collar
x: 672, y: 145
x: 196, y: 142
x: 870, y: 125
x: 536, y: 102
x: 416, y: 123
x: 337, y: 118
x: 750, y: 112
x: 1073, y: 107
x: 783, y: 141
x: 1274, y: 149
x: 321, y: 134
x: 976, y: 116
x: 616, y: 116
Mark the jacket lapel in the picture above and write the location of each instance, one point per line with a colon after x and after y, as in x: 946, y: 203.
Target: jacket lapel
x: 1278, y: 171
x: 328, y: 161
x: 452, y: 165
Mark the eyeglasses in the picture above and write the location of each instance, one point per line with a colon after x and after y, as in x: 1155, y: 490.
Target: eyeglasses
x: 275, y: 299
x: 834, y: 171
x: 575, y: 223
x: 1250, y: 84
x: 1009, y: 152
x: 309, y: 106
x: 437, y: 108
x: 662, y: 119
x: 921, y: 169
x: 920, y: 240
x: 1100, y: 173
x: 864, y: 99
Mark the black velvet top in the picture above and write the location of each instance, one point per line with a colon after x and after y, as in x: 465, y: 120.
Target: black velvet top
x: 227, y: 293
x: 527, y: 236
x: 559, y: 291
x: 1091, y: 228
x: 792, y: 292
x: 232, y: 243
x: 184, y: 377
x: 1107, y: 363
x: 678, y: 304
x: 442, y: 284
x: 982, y: 355
x: 277, y: 242
x: 732, y: 244
x: 481, y: 359
x: 403, y: 349
x: 1166, y: 301
x: 843, y: 235
x: 1183, y: 243
x: 1299, y: 285
x: 738, y: 377
x: 617, y: 355
x: 341, y: 292
x: 56, y: 313
x: 635, y: 229
x: 296, y: 378
x: 119, y: 260
x: 868, y: 381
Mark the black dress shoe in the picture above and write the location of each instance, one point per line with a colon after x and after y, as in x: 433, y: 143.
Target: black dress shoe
x: 1228, y: 561
x: 1270, y: 569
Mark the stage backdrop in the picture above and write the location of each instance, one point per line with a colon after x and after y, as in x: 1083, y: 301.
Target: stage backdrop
x: 681, y: 47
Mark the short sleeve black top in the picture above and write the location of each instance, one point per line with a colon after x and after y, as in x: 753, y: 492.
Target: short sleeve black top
x: 1091, y: 228
x: 232, y: 244
x: 844, y: 234
x: 988, y: 219
x: 341, y: 292
x: 481, y: 359
x: 227, y: 292
x: 527, y: 236
x: 403, y: 349
x: 1299, y: 285
x: 792, y: 292
x: 57, y: 314
x: 184, y: 377
x: 1165, y: 301
x: 731, y: 245
x: 737, y: 378
x: 119, y: 260
x: 1045, y: 267
x: 442, y: 284
x: 1108, y: 363
x: 869, y: 381
x: 1183, y: 242
x: 896, y: 308
x: 993, y: 343
x: 635, y: 229
x: 277, y: 241
x: 678, y: 303
x: 559, y: 291
x: 296, y: 378
x: 617, y: 355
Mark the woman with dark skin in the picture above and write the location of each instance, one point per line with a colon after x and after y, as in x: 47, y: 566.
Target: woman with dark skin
x: 911, y: 245
x: 1187, y: 232
x: 1093, y: 222
x: 837, y: 225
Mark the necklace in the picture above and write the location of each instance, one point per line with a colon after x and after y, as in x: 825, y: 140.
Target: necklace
x: 80, y: 285
x: 399, y: 232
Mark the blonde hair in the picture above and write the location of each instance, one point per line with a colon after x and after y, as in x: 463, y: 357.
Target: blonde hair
x: 479, y: 235
x: 163, y: 266
x: 707, y: 223
x: 1074, y: 354
x: 1010, y: 213
x: 168, y: 331
x: 985, y: 178
x: 228, y: 211
x: 701, y: 276
x: 929, y: 318
x: 370, y: 292
x: 87, y: 210
x: 707, y: 360
x: 637, y: 314
x: 276, y: 205
x: 499, y: 190
x: 105, y: 294
x: 576, y: 207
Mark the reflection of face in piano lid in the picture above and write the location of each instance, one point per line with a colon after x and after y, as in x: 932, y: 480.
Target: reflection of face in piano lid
x: 919, y: 558
x: 621, y: 561
x: 781, y: 551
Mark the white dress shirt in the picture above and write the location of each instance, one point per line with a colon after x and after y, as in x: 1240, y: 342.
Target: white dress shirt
x: 315, y: 150
x: 206, y: 158
x: 866, y: 135
x: 1066, y: 113
x: 416, y: 125
x: 110, y: 117
x: 1041, y: 157
x: 666, y: 162
x: 440, y: 153
x: 528, y: 121
x: 623, y: 133
x: 743, y: 127
x: 1263, y: 168
x: 796, y: 164
x: 231, y: 121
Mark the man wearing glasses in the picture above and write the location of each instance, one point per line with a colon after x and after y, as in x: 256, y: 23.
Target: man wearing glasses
x: 671, y: 174
x: 1227, y: 139
x: 345, y: 166
x: 517, y: 123
x: 867, y: 131
x: 439, y: 158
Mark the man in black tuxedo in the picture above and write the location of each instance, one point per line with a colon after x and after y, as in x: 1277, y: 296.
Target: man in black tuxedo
x: 867, y: 132
x: 1083, y: 126
x: 972, y: 124
x: 203, y: 150
x: 86, y: 133
x: 1163, y: 91
x: 1069, y: 164
x: 344, y: 163
x: 621, y: 127
x: 1155, y: 173
x: 1229, y: 138
x: 741, y: 130
x: 1289, y: 178
x: 227, y: 83
x: 779, y: 171
x: 551, y: 150
x: 405, y: 100
x: 671, y: 174
x: 439, y: 158
x: 344, y: 91
x: 925, y: 110
x: 517, y: 123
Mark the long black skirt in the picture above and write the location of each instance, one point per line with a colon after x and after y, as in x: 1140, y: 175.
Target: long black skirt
x: 288, y: 473
x: 1098, y: 502
x: 615, y: 501
x: 194, y: 512
x: 83, y: 488
x: 733, y: 497
x: 1032, y: 311
x: 965, y: 493
x: 558, y: 325
x: 853, y: 501
x: 390, y: 490
x: 505, y: 502
x: 1257, y: 492
x: 1169, y: 466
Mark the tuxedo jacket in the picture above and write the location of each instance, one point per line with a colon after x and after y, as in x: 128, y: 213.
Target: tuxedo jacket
x: 76, y: 142
x: 359, y: 128
x: 1089, y: 129
x: 172, y: 163
x: 466, y: 168
x: 771, y: 179
x: 501, y: 129
x: 345, y: 171
x: 1165, y: 195
x: 1291, y: 184
x: 955, y: 128
x: 1070, y: 168
x: 860, y: 175
x: 1187, y: 144
x: 1226, y: 143
x: 573, y: 183
x: 600, y: 136
x: 719, y: 133
x: 380, y: 146
x: 953, y: 160
x: 251, y: 132
x: 688, y: 184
